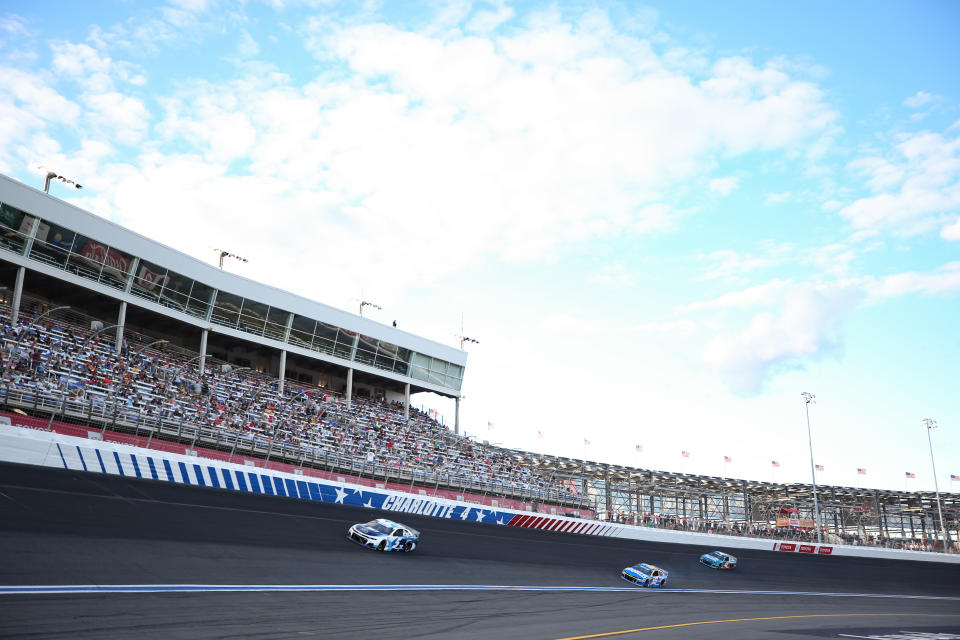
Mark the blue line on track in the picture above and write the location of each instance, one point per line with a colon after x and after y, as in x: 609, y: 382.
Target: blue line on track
x: 194, y: 588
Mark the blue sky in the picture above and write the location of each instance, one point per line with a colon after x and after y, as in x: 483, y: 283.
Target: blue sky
x: 662, y: 223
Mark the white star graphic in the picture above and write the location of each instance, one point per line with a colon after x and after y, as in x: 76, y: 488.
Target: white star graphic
x: 480, y: 515
x: 369, y: 503
x: 341, y: 494
x: 465, y: 514
x: 358, y: 493
x: 499, y: 520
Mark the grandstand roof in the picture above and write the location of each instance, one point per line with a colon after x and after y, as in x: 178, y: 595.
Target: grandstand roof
x: 53, y: 211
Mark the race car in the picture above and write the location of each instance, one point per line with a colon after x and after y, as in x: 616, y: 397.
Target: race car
x: 384, y: 535
x: 718, y: 560
x: 645, y: 575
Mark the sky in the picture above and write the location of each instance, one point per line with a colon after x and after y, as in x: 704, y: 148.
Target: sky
x: 661, y: 223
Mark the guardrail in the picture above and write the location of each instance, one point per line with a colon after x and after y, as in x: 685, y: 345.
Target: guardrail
x: 116, y: 415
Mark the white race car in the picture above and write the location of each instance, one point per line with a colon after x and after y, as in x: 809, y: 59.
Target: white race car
x: 384, y: 535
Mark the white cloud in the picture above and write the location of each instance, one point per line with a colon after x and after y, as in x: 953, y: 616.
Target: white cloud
x: 951, y: 231
x: 124, y: 118
x: 919, y: 99
x: 724, y: 186
x: 943, y: 281
x: 806, y: 328
x: 777, y: 198
x: 614, y: 276
x: 247, y: 47
x: 918, y: 188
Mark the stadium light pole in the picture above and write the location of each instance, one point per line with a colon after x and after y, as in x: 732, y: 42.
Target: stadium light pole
x: 930, y: 425
x: 808, y: 399
x: 53, y: 175
x: 366, y: 303
x: 226, y: 254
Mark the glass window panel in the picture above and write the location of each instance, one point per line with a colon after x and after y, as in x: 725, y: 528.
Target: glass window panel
x: 276, y: 325
x: 199, y: 301
x: 11, y: 220
x: 344, y: 346
x: 366, y: 350
x: 226, y: 310
x: 325, y: 338
x: 86, y: 257
x: 438, y: 366
x: 149, y: 280
x: 386, y: 354
x: 417, y: 372
x: 253, y: 316
x: 52, y: 244
x: 116, y: 268
x: 301, y: 332
x: 176, y: 291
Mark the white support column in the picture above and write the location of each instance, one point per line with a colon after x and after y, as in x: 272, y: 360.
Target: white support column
x: 121, y: 321
x: 349, y: 394
x: 17, y: 294
x: 456, y: 415
x: 203, y: 351
x: 283, y: 369
x: 406, y: 402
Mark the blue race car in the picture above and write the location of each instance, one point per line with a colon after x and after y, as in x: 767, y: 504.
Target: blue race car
x: 645, y: 575
x: 384, y: 535
x: 718, y: 560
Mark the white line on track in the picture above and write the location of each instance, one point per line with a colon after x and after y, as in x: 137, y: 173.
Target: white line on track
x: 194, y: 588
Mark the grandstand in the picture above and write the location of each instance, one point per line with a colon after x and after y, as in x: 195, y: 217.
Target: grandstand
x: 104, y: 327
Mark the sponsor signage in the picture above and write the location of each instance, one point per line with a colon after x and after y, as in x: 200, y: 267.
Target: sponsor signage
x: 806, y: 548
x: 800, y: 523
x: 825, y: 551
x: 784, y: 546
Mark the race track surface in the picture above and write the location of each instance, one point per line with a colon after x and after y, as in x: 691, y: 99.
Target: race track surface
x: 72, y: 528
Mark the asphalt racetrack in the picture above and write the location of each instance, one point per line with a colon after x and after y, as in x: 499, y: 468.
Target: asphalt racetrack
x: 269, y: 567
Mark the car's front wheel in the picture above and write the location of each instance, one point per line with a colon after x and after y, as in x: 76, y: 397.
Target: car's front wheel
x: 382, y: 546
x: 409, y: 546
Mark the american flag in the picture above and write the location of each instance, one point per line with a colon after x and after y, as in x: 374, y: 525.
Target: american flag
x: 489, y: 426
x: 727, y: 459
x: 819, y: 467
x: 954, y: 477
x: 685, y: 454
x: 433, y: 413
x: 861, y: 471
x: 540, y: 434
x: 911, y: 475
x: 775, y: 463
x: 639, y: 448
x: 585, y: 441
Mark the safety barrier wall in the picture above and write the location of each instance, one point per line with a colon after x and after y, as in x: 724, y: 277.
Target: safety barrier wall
x: 145, y: 442
x: 48, y: 448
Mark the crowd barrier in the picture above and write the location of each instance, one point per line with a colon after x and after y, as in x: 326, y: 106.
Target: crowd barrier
x: 49, y: 448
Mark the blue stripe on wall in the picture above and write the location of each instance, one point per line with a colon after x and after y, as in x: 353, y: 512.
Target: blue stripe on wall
x: 291, y: 487
x: 254, y: 482
x: 200, y: 479
x: 184, y: 473
x: 214, y: 480
x: 227, y: 480
x: 304, y: 491
x: 166, y: 467
x: 267, y: 484
x: 241, y: 481
x: 278, y: 485
x: 82, y: 461
x: 136, y: 467
x: 62, y: 459
x: 153, y: 468
x: 100, y: 459
x: 116, y: 456
x: 315, y: 492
